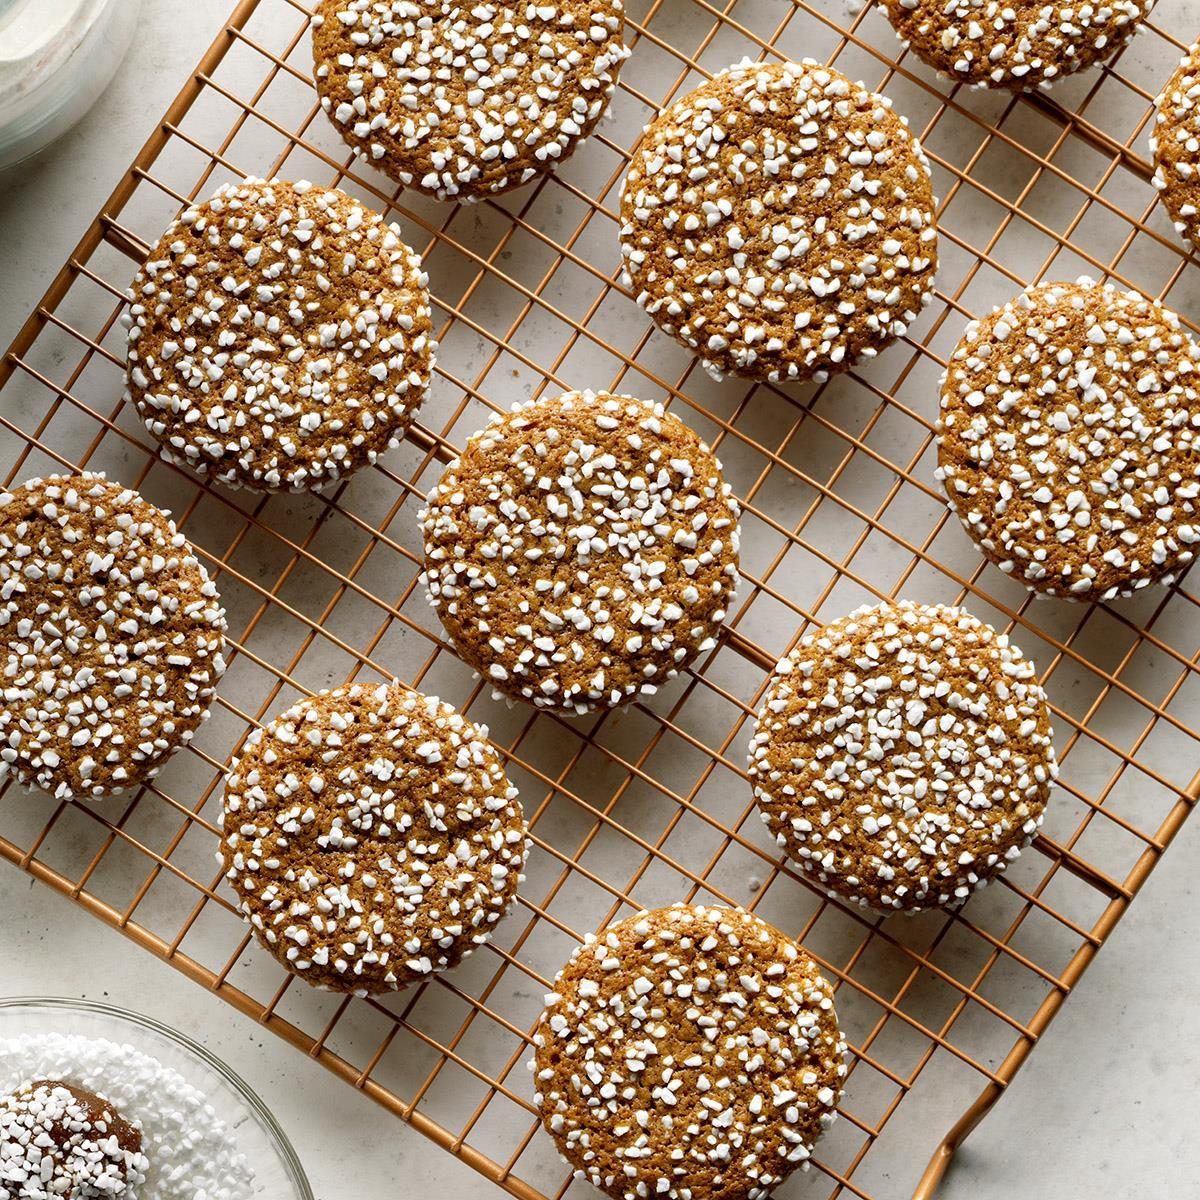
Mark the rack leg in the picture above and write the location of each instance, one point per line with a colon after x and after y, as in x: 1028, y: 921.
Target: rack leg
x: 935, y: 1172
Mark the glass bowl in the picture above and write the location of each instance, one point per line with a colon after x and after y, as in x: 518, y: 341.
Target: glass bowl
x: 56, y: 58
x: 277, y: 1171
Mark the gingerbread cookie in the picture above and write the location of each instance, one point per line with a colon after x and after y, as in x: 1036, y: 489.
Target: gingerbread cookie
x: 779, y: 220
x: 280, y: 336
x: 1175, y: 146
x: 903, y: 755
x: 111, y: 632
x: 688, y: 1052
x: 582, y: 550
x: 1067, y: 440
x: 1017, y: 44
x: 372, y: 837
x: 464, y: 99
x: 59, y: 1142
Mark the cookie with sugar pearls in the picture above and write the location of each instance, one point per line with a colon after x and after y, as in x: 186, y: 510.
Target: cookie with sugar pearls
x: 280, y: 336
x: 58, y: 1140
x: 112, y: 636
x: 779, y: 220
x: 690, y: 1051
x: 1067, y: 440
x: 191, y: 1153
x: 463, y: 99
x: 903, y: 756
x: 1175, y: 146
x: 1016, y: 44
x: 372, y: 837
x: 582, y: 550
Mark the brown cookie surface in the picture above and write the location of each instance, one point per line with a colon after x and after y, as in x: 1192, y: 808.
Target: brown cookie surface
x: 1067, y: 440
x: 903, y: 755
x: 59, y: 1142
x: 1175, y: 146
x: 465, y: 98
x: 582, y: 550
x: 280, y: 336
x: 372, y: 837
x: 111, y: 632
x: 779, y: 220
x: 1015, y: 44
x: 688, y: 1052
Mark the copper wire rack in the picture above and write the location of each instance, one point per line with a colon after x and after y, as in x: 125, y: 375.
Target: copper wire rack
x: 650, y: 804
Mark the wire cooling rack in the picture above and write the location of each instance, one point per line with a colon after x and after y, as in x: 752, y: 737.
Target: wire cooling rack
x: 650, y: 804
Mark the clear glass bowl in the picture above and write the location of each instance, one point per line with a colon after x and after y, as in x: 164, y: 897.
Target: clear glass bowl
x: 277, y: 1171
x: 56, y: 58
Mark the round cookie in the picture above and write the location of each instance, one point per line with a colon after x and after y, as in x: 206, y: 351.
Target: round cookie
x: 280, y: 336
x: 779, y: 220
x: 1067, y: 440
x: 1017, y: 44
x: 1175, y: 146
x: 688, y: 1052
x: 111, y: 633
x: 903, y: 756
x: 60, y: 1141
x: 463, y: 99
x: 582, y: 550
x: 372, y: 837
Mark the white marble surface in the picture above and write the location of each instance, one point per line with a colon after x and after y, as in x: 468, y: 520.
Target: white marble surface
x: 1106, y: 1108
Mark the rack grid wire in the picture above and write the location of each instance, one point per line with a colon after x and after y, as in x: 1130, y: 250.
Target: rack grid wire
x: 650, y: 804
